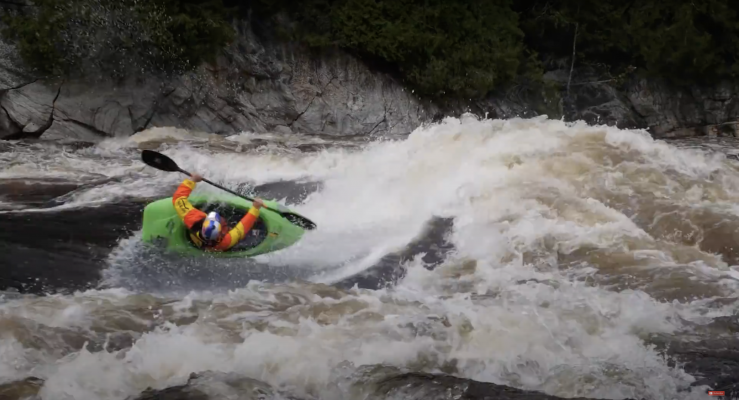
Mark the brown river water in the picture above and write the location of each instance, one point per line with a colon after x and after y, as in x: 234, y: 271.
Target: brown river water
x: 571, y: 260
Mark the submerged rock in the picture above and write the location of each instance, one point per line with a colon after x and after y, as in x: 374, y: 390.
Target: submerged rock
x: 713, y: 361
x: 420, y: 386
x: 381, y: 383
x: 26, y: 389
x: 218, y: 386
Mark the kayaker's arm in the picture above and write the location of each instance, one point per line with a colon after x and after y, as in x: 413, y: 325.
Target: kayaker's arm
x: 189, y: 214
x: 239, y: 231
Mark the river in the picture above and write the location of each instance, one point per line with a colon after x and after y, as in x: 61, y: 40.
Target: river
x: 560, y: 258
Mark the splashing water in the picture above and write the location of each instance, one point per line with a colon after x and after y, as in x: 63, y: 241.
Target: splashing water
x: 573, y: 245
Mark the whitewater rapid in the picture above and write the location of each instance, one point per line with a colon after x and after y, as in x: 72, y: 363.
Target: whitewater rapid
x: 573, y: 245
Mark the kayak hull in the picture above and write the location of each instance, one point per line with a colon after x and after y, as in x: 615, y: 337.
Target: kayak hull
x: 163, y: 228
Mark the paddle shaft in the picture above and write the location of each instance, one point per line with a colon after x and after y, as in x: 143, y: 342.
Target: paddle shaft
x: 220, y: 187
x: 164, y: 163
x: 294, y: 218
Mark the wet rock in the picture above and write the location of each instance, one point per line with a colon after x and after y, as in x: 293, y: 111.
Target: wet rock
x: 30, y: 193
x: 26, y: 389
x: 216, y: 386
x: 61, y: 341
x: 25, y: 109
x: 381, y: 382
x: 439, y: 387
x: 8, y: 127
x: 714, y: 361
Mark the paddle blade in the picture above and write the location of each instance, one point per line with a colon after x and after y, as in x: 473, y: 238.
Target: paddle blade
x: 159, y: 161
x: 300, y: 221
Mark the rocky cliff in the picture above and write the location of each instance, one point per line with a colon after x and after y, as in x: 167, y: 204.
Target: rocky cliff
x: 261, y: 85
x: 256, y: 85
x: 666, y: 111
x: 662, y: 109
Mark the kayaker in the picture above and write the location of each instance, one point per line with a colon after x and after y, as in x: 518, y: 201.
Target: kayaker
x: 210, y: 232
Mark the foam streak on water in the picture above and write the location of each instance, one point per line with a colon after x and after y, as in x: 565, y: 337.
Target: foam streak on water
x: 573, y: 245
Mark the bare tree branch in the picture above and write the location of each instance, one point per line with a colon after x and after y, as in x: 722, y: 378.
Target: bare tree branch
x: 572, y: 66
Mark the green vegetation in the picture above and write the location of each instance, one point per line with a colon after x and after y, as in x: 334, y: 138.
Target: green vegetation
x: 75, y: 37
x: 440, y: 48
x: 685, y: 42
x: 457, y: 47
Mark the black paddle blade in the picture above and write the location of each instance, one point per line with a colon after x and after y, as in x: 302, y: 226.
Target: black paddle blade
x: 159, y: 161
x: 299, y: 220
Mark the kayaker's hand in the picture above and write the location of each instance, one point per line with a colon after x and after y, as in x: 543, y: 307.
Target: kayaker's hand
x: 196, y: 177
x: 258, y: 203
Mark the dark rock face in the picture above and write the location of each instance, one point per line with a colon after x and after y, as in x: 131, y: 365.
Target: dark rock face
x: 255, y: 86
x: 674, y: 112
x: 12, y: 72
x: 666, y: 111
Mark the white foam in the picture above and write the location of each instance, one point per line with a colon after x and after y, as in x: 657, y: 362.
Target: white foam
x: 515, y: 188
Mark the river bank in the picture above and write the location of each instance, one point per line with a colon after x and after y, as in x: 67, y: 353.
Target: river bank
x: 264, y: 85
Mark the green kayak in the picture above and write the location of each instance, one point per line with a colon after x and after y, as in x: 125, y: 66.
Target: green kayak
x: 164, y: 228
